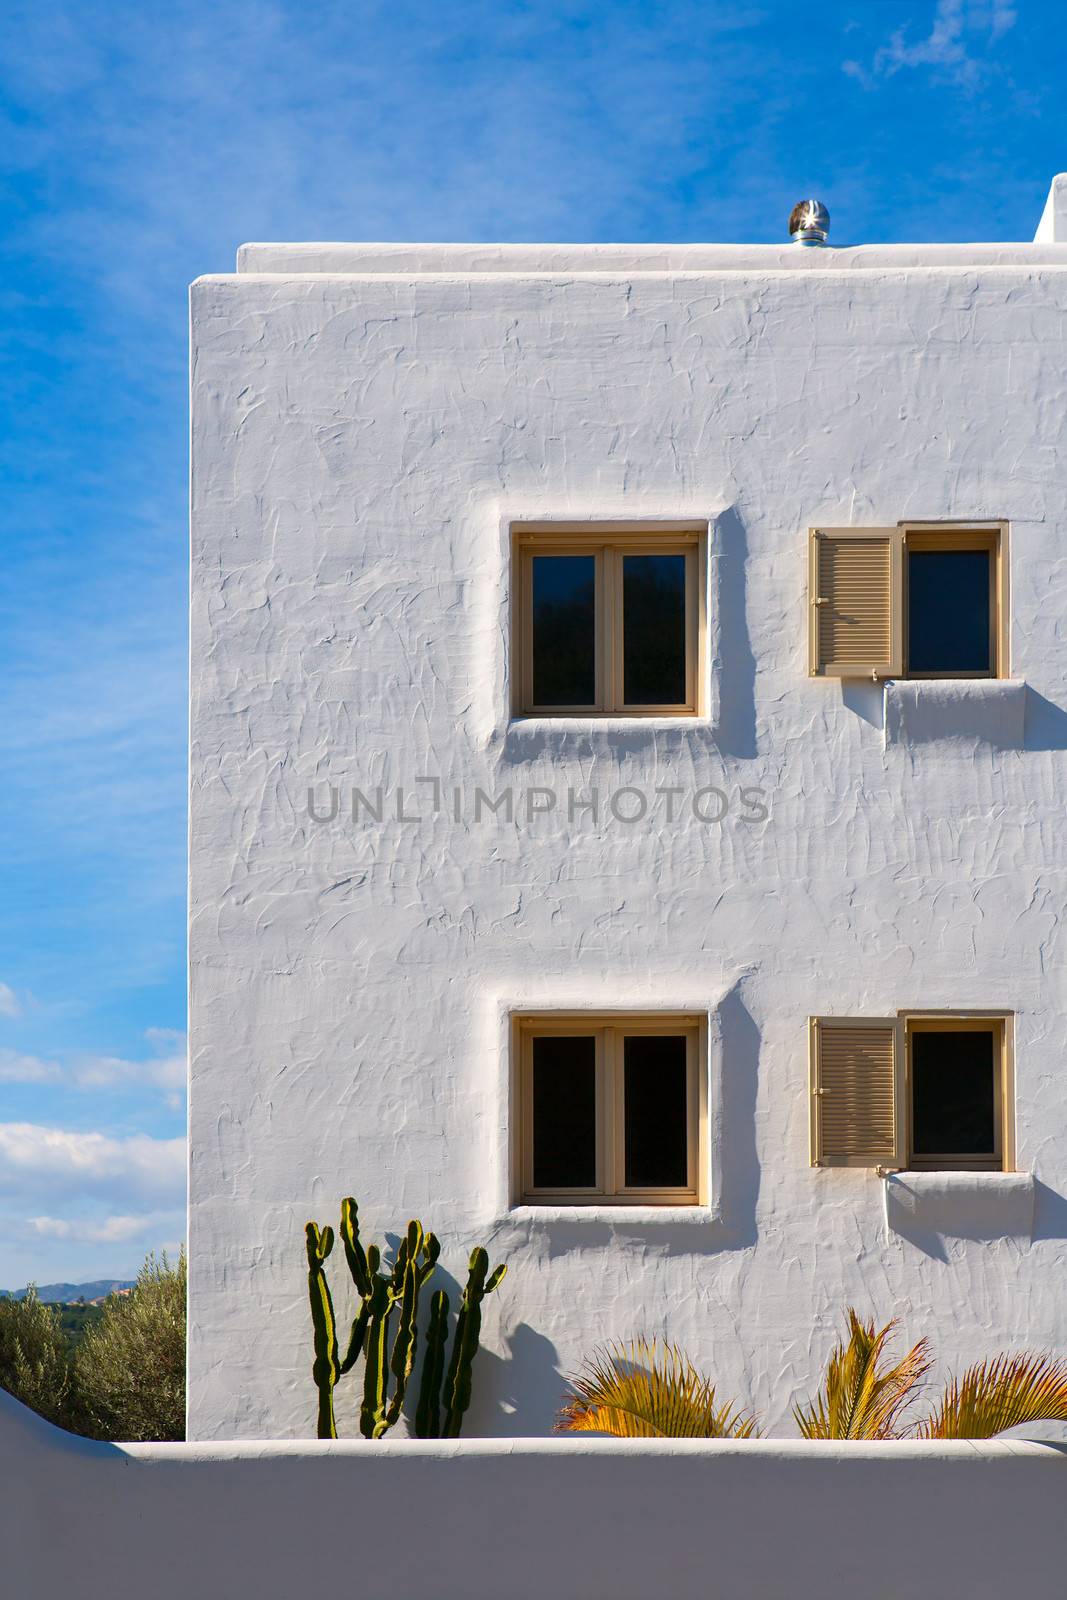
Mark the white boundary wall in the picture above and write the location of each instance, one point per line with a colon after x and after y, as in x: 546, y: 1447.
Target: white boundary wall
x: 526, y: 1518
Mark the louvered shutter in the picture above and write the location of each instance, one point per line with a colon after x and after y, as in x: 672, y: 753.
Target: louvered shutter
x: 856, y: 601
x: 856, y: 1094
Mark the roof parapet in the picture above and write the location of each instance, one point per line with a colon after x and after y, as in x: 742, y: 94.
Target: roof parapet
x: 1052, y: 229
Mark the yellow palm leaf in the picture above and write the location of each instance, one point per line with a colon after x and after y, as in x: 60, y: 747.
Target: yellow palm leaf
x: 645, y: 1390
x: 999, y: 1394
x: 862, y: 1397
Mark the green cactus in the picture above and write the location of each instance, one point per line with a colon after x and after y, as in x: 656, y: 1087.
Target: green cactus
x: 428, y: 1410
x: 372, y: 1417
x: 362, y: 1276
x: 354, y: 1252
x: 465, y: 1340
x: 389, y: 1357
x: 325, y: 1369
x: 408, y: 1274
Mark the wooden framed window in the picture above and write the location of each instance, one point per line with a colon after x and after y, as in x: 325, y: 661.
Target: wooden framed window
x: 922, y: 1091
x: 955, y: 1092
x: 607, y: 620
x: 921, y: 600
x: 611, y: 1108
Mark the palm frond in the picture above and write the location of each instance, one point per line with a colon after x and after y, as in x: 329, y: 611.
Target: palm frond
x: 648, y: 1390
x: 999, y: 1394
x: 861, y: 1397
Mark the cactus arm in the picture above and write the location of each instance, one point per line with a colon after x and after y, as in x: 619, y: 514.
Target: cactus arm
x: 355, y: 1340
x: 465, y: 1341
x: 324, y: 1369
x: 354, y: 1252
x: 431, y: 1251
x: 428, y: 1410
x: 372, y: 1421
x: 407, y: 1335
x: 464, y: 1345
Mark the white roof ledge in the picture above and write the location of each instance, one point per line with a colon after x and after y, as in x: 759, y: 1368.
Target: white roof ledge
x: 462, y: 260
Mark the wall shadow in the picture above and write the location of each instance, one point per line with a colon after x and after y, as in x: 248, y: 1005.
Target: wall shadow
x: 927, y: 1240
x: 1050, y: 1212
x: 516, y: 1395
x: 735, y: 729
x: 865, y: 700
x: 738, y: 1157
x: 1045, y: 723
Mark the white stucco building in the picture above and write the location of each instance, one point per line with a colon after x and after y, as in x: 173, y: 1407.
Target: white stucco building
x: 550, y: 775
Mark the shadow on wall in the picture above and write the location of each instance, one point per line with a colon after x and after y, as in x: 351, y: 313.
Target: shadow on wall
x: 1050, y: 1212
x: 517, y: 1395
x: 866, y: 700
x: 737, y: 1154
x: 1046, y: 723
x: 735, y: 731
x: 931, y: 1244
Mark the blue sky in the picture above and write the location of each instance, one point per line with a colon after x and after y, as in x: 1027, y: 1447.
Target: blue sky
x: 139, y: 145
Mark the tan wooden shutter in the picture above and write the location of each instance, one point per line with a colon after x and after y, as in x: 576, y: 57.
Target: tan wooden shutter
x: 856, y: 602
x: 856, y: 1094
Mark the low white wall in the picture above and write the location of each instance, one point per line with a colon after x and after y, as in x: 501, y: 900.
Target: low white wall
x: 560, y: 1519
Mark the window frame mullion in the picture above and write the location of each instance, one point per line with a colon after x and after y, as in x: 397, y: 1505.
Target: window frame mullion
x: 611, y: 1113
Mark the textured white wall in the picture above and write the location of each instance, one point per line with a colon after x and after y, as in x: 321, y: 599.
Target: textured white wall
x: 530, y: 1519
x: 360, y: 439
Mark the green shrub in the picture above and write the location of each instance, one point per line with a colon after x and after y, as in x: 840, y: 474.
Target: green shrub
x: 129, y: 1370
x: 34, y: 1360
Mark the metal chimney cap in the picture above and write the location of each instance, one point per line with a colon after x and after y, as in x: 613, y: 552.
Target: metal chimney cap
x: 809, y: 222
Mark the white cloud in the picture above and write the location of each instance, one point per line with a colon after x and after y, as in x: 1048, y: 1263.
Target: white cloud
x: 36, y: 1160
x: 957, y: 26
x: 15, y: 1067
x: 165, y: 1071
x: 108, y: 1230
x: 10, y: 1004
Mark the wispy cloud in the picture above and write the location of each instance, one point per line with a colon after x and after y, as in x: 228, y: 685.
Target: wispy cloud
x: 17, y: 1067
x: 958, y: 28
x: 165, y: 1071
x: 10, y: 1004
x: 139, y: 1228
x: 162, y: 1071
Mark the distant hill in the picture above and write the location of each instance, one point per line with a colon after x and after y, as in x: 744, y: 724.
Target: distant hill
x: 54, y: 1293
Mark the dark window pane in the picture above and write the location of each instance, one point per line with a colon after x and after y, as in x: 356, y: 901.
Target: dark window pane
x: 564, y: 630
x: 656, y: 1113
x: 948, y: 611
x: 653, y: 629
x: 564, y: 1112
x: 953, y: 1088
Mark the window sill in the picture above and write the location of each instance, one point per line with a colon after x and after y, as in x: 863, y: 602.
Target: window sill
x: 529, y: 737
x: 610, y: 719
x: 961, y: 1205
x: 643, y: 1216
x: 928, y: 710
